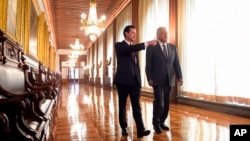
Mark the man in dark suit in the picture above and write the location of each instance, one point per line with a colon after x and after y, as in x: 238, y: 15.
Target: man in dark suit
x: 128, y: 80
x: 162, y: 66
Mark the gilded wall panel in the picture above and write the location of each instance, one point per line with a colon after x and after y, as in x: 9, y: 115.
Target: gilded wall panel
x: 15, y: 19
x: 27, y: 26
x: 3, y: 15
x: 33, y: 38
x: 52, y: 58
x: 46, y: 45
x: 41, y: 39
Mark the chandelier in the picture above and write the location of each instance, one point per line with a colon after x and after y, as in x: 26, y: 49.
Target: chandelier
x: 92, y: 26
x: 77, y: 46
x: 73, y: 57
x: 76, y: 51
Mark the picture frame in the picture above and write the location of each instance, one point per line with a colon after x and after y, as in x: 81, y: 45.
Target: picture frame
x: 12, y: 10
x: 33, y: 40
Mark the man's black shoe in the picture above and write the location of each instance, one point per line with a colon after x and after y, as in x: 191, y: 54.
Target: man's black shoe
x: 164, y: 127
x: 124, y: 132
x: 157, y: 129
x: 143, y: 133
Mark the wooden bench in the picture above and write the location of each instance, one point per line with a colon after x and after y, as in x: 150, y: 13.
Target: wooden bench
x: 10, y: 119
x: 44, y: 78
x: 54, y: 79
x: 13, y: 85
x: 51, y: 97
x: 36, y: 78
x: 47, y: 104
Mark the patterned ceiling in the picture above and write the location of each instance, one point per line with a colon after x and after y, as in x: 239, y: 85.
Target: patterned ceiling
x: 64, y: 18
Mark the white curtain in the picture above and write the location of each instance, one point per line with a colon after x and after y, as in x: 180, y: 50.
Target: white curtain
x: 110, y: 50
x: 122, y: 20
x: 152, y: 14
x: 215, y: 49
x: 91, y: 60
x: 95, y: 59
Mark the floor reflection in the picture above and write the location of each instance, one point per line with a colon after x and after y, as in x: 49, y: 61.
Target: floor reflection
x: 89, y: 113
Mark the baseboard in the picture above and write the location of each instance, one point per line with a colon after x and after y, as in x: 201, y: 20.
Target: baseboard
x: 239, y: 110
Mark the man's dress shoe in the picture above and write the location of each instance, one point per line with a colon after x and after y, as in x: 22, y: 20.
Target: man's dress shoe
x: 164, y: 127
x: 124, y: 132
x: 143, y: 133
x: 157, y: 129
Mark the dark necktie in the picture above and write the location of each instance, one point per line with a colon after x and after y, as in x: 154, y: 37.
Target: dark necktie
x: 165, y: 51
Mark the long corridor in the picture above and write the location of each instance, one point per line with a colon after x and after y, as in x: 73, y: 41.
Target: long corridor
x: 89, y: 113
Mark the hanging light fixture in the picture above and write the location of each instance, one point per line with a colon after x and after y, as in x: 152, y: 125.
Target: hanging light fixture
x: 73, y: 57
x: 92, y: 26
x: 77, y: 46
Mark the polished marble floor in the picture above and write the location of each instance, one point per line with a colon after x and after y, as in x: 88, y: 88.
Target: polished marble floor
x: 89, y: 113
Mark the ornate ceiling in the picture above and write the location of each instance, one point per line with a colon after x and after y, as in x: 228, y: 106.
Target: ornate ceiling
x: 64, y: 19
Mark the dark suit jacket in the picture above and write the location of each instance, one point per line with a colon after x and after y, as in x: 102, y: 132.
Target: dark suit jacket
x: 127, y: 70
x: 158, y: 67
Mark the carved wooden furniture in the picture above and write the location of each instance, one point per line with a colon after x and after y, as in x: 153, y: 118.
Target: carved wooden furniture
x: 10, y: 119
x: 30, y: 121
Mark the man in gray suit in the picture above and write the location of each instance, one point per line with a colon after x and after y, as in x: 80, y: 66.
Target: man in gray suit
x: 162, y: 66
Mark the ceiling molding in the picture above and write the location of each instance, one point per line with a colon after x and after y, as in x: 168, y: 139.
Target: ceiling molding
x: 48, y: 13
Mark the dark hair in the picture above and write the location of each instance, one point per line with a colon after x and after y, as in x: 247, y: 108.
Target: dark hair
x: 127, y: 29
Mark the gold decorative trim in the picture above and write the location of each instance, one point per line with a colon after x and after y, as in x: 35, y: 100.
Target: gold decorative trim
x: 43, y: 40
x: 52, y: 58
x: 47, y: 8
x: 40, y: 38
x: 34, y: 29
x: 3, y: 15
x: 19, y: 15
x: 46, y: 43
x: 37, y: 7
x: 22, y: 25
x: 27, y: 26
x: 19, y: 20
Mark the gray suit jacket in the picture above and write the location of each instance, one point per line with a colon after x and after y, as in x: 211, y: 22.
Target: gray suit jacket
x: 159, y: 68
